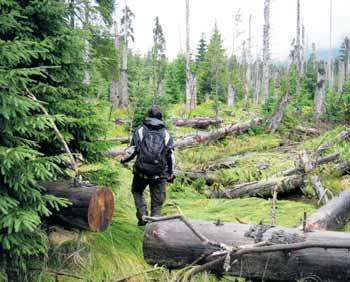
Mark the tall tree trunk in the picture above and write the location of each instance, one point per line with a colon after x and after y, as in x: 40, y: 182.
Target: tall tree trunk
x: 86, y: 79
x: 298, y: 47
x: 320, y: 95
x: 72, y: 13
x: 230, y: 95
x: 114, y: 87
x: 303, y: 49
x: 330, y: 61
x: 249, y: 61
x: 266, y: 51
x: 257, y: 82
x: 341, y: 76
x: 190, y: 78
x: 124, y: 94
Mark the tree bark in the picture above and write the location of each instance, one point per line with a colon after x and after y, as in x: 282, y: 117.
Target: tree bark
x: 343, y: 135
x: 260, y: 188
x: 278, y: 115
x: 308, y: 165
x: 230, y: 95
x: 174, y: 245
x: 92, y: 206
x: 198, y: 122
x: 320, y: 95
x: 334, y: 215
x: 266, y: 51
x: 286, y: 182
x: 217, y: 134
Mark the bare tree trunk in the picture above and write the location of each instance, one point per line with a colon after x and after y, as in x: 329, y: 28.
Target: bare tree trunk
x: 257, y: 82
x: 330, y: 61
x: 278, y: 115
x: 298, y: 47
x: 124, y: 94
x: 313, y: 177
x: 249, y: 60
x: 314, y: 59
x: 341, y: 77
x: 333, y: 215
x: 230, y: 95
x: 320, y: 95
x: 266, y: 51
x: 190, y: 78
x: 303, y: 48
x: 114, y: 87
x: 86, y: 79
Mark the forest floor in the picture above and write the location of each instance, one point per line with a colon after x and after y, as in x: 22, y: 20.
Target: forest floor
x: 116, y: 254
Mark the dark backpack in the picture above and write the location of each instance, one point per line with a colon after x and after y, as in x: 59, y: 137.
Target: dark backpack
x: 151, y: 157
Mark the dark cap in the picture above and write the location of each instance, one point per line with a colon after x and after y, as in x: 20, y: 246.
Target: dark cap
x: 155, y: 112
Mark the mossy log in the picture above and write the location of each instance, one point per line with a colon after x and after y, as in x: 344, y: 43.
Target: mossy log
x: 263, y: 189
x: 334, y: 215
x: 173, y: 245
x: 198, y: 122
x: 91, y: 206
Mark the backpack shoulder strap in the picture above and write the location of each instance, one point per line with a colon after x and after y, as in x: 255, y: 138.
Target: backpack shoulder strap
x: 140, y: 133
x: 167, y: 137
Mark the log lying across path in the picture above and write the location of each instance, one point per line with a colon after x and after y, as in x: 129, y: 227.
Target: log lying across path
x: 121, y: 140
x: 174, y: 245
x: 191, y: 140
x: 333, y: 215
x: 198, y: 122
x: 91, y: 209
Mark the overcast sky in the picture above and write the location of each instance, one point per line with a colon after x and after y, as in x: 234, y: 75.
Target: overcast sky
x: 204, y: 13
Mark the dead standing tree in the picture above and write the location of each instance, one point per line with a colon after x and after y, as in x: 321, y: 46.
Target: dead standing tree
x: 319, y: 95
x: 191, y: 95
x: 277, y: 117
x: 266, y: 51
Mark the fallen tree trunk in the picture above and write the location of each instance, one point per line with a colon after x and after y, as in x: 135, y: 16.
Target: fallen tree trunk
x: 121, y: 140
x: 262, y: 189
x: 188, y: 141
x: 193, y: 176
x: 318, y: 162
x: 278, y: 115
x: 345, y: 134
x: 308, y: 165
x: 174, y: 245
x: 91, y: 206
x: 217, y: 134
x: 343, y: 168
x: 198, y: 122
x: 333, y: 215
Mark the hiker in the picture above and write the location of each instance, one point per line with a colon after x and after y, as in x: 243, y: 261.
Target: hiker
x: 153, y: 147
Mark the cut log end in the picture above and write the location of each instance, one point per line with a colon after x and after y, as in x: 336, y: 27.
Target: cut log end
x: 91, y: 206
x: 100, y: 211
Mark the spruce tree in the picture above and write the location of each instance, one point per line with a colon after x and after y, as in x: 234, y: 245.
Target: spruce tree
x: 201, y: 50
x: 40, y: 54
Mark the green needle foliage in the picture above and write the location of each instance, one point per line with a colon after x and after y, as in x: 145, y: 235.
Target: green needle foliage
x: 40, y: 53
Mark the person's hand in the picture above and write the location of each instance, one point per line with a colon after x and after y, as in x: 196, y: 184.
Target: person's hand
x: 170, y: 178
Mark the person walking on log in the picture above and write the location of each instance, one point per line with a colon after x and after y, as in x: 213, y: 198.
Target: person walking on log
x: 153, y: 148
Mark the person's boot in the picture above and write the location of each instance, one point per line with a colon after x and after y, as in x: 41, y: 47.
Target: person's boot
x: 141, y: 221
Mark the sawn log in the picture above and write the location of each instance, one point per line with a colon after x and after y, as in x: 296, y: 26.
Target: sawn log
x: 91, y: 206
